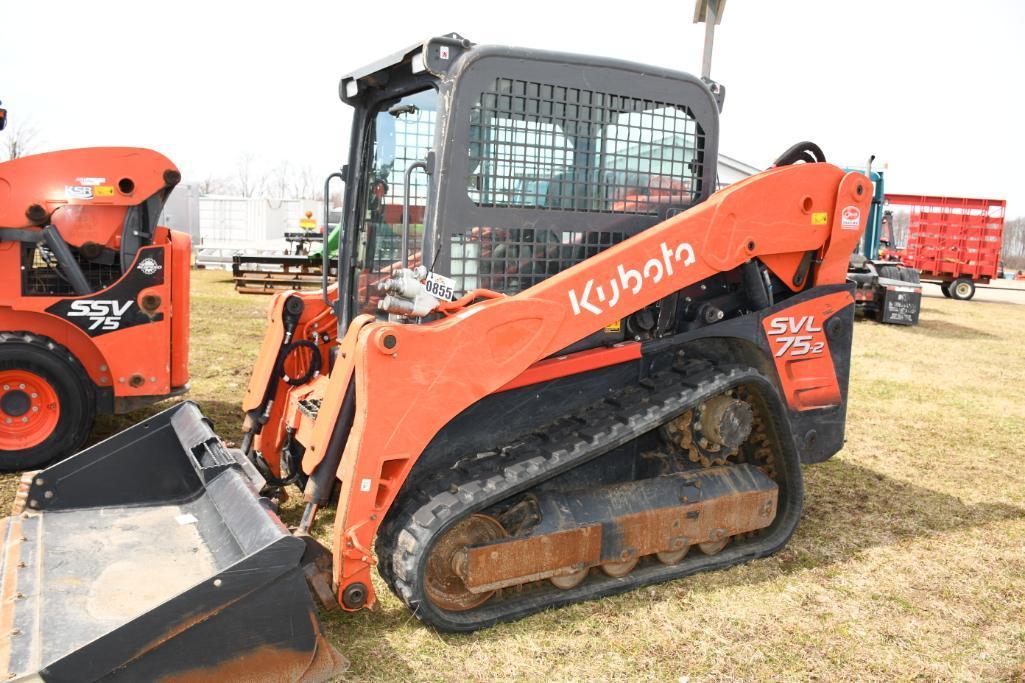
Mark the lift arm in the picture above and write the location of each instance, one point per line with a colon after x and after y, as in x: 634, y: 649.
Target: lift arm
x: 410, y: 380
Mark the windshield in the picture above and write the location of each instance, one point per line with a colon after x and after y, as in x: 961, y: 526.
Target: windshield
x: 401, y: 133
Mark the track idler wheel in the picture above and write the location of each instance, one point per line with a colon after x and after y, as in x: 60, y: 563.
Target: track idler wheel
x: 621, y: 568
x: 442, y: 581
x: 567, y: 581
x: 713, y: 547
x: 673, y: 556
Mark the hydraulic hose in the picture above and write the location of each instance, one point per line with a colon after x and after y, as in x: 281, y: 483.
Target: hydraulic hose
x: 805, y: 151
x: 291, y: 312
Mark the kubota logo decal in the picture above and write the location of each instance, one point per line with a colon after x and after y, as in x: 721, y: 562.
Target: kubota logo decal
x: 103, y: 314
x: 594, y: 295
x: 850, y: 218
x: 795, y: 336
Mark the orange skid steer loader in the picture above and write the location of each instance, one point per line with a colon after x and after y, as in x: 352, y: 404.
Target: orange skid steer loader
x: 581, y: 372
x: 94, y: 296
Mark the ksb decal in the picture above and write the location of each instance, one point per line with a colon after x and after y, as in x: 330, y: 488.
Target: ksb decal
x: 103, y: 314
x: 654, y: 269
x: 792, y: 336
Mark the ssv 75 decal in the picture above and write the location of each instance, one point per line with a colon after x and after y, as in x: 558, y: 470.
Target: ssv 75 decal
x: 115, y: 308
x: 103, y: 314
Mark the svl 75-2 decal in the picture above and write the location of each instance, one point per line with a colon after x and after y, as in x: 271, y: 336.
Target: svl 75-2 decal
x: 795, y: 336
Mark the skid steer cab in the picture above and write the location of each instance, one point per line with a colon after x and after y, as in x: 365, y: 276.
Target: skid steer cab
x: 94, y: 296
x: 556, y: 365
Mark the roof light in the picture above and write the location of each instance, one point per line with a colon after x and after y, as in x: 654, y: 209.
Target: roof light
x: 351, y: 88
x: 417, y: 65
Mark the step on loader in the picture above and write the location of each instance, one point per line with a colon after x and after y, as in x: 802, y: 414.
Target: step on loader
x: 578, y: 370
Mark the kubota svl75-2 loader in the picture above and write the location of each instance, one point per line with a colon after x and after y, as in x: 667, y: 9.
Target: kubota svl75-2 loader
x: 557, y: 365
x: 94, y: 296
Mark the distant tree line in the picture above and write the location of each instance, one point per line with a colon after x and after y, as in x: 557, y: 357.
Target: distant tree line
x: 18, y: 140
x: 253, y: 179
x: 249, y: 179
x: 1014, y: 244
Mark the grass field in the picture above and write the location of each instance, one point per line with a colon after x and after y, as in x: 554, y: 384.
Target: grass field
x: 909, y: 562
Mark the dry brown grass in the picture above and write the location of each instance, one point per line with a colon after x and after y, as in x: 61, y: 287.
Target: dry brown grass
x: 909, y: 563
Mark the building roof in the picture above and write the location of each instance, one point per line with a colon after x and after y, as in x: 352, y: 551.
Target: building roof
x: 737, y: 165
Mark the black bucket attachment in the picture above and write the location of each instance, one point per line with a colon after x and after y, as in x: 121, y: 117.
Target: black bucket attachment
x: 152, y: 557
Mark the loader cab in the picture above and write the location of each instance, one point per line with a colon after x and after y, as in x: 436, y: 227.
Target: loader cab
x: 534, y: 161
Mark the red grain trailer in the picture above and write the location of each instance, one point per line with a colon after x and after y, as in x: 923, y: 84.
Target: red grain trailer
x: 953, y: 241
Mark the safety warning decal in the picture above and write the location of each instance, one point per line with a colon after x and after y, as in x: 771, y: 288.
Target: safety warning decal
x: 819, y: 218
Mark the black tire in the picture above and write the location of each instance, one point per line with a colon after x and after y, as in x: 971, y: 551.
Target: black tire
x: 909, y: 275
x: 945, y: 288
x: 962, y: 289
x: 890, y: 272
x: 24, y: 352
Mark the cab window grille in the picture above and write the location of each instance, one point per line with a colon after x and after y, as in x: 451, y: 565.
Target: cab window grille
x: 510, y: 261
x: 537, y: 145
x: 42, y: 276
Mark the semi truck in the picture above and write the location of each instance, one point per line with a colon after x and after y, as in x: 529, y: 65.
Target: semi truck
x: 888, y: 290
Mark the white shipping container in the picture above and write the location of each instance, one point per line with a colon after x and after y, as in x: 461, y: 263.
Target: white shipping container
x: 256, y: 219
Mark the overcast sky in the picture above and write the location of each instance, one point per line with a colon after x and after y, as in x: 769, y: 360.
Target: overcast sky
x: 936, y: 90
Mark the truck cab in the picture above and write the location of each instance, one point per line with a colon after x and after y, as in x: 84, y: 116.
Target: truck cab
x: 887, y: 290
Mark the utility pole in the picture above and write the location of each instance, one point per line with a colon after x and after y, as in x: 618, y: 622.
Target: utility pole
x: 709, y: 12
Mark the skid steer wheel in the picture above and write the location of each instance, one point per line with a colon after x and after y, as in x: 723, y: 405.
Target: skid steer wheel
x: 46, y: 403
x: 962, y: 289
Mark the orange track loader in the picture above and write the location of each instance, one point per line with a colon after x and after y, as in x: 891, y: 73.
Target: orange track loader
x: 581, y: 371
x: 94, y: 296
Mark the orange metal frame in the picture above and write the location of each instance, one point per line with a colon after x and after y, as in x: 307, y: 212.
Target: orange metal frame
x: 411, y: 380
x: 86, y: 194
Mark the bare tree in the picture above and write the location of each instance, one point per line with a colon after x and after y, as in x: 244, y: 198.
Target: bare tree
x: 901, y: 226
x: 19, y: 140
x: 214, y: 185
x: 280, y: 183
x: 303, y: 184
x: 248, y: 183
x: 1013, y: 251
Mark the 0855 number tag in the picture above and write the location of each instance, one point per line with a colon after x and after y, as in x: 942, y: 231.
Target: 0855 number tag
x: 440, y: 287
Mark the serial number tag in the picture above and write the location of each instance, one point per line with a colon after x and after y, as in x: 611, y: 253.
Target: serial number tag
x: 440, y: 287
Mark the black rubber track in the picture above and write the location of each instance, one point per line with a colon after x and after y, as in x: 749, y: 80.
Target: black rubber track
x: 405, y: 541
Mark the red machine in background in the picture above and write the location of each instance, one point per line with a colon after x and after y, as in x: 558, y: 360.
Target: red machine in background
x: 953, y: 241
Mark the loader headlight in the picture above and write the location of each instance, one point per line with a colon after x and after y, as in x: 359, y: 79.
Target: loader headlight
x: 417, y: 64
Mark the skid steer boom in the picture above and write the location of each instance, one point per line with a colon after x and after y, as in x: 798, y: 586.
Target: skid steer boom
x: 151, y: 556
